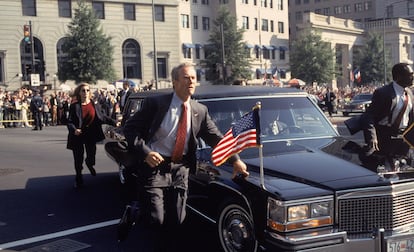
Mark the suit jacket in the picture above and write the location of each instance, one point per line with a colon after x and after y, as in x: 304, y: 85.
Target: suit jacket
x: 383, y: 103
x: 93, y: 133
x: 142, y: 126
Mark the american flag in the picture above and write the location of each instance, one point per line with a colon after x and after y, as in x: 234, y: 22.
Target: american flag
x: 243, y: 134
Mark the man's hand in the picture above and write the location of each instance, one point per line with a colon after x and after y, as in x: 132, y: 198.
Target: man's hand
x: 154, y: 159
x: 374, y: 145
x: 239, y: 167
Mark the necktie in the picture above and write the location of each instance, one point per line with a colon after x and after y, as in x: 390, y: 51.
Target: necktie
x: 181, y: 135
x: 400, y: 115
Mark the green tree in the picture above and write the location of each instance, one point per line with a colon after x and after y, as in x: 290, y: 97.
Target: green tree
x: 311, y: 59
x: 236, y: 58
x: 89, y: 50
x: 370, y: 59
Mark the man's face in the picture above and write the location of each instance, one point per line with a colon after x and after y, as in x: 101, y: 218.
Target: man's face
x: 406, y: 79
x: 185, y: 85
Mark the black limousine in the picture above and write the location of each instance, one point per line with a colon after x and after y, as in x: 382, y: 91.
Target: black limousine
x: 313, y: 194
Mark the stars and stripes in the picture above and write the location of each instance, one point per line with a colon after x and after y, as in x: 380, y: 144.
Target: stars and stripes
x: 243, y: 134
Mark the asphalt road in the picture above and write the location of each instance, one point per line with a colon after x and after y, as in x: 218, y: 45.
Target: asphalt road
x: 41, y: 211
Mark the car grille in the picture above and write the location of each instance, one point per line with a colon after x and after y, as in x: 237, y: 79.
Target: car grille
x: 366, y: 210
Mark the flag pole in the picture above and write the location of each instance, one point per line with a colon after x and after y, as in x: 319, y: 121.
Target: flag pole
x: 262, y: 185
x: 261, y: 167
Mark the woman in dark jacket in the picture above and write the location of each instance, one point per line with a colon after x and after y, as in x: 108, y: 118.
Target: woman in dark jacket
x: 85, y: 130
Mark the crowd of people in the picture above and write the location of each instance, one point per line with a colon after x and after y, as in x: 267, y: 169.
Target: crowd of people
x: 16, y: 111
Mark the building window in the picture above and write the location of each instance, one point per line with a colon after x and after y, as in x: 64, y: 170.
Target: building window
x: 410, y: 8
x: 265, y: 25
x: 263, y: 3
x: 306, y: 1
x: 358, y: 7
x: 266, y: 53
x: 205, y: 2
x: 195, y: 1
x: 99, y: 9
x: 197, y: 52
x: 297, y: 2
x: 129, y: 11
x: 131, y: 59
x: 185, y: 21
x: 159, y: 13
x: 347, y: 8
x: 162, y: 67
x: 29, y: 7
x: 245, y: 1
x: 62, y: 57
x: 280, y: 27
x: 195, y: 22
x: 257, y: 52
x: 245, y: 24
x: 326, y: 11
x: 187, y: 52
x: 2, y: 79
x: 282, y: 54
x: 206, y: 24
x: 65, y: 8
x: 280, y: 4
x: 272, y: 26
x: 298, y: 16
x: 271, y: 4
x: 224, y: 1
x: 254, y: 2
x: 256, y: 24
x: 318, y: 11
x: 338, y: 10
x: 367, y: 5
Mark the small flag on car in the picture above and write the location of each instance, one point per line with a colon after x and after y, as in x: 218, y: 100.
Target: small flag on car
x: 245, y: 133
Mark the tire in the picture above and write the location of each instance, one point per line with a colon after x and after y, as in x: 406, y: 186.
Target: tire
x: 235, y: 229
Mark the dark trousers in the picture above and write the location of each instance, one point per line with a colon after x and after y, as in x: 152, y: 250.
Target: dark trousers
x: 37, y: 117
x: 164, y: 200
x: 78, y: 155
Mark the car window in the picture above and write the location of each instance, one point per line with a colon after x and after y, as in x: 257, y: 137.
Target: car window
x: 281, y: 118
x: 133, y: 106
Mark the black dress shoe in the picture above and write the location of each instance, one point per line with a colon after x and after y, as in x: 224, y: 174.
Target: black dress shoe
x: 92, y: 170
x: 78, y: 182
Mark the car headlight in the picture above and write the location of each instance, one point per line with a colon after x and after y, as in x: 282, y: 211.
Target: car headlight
x: 287, y: 216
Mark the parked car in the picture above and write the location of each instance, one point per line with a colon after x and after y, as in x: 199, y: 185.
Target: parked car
x: 358, y: 104
x: 307, y: 189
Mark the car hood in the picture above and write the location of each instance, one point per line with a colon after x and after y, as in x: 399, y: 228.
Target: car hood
x: 332, y: 164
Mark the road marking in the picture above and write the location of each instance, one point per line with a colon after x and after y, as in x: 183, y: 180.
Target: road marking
x: 58, y: 234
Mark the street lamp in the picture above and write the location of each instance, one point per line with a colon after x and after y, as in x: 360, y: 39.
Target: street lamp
x: 154, y: 46
x: 54, y: 82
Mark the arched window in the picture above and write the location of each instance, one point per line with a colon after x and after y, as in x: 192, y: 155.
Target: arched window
x: 32, y: 64
x: 61, y: 56
x: 131, y: 59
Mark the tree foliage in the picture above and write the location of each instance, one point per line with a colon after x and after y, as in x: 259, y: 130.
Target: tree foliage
x: 369, y: 59
x: 311, y: 59
x: 236, y: 58
x: 89, y: 51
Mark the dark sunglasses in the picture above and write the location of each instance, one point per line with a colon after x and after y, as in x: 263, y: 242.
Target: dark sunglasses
x: 84, y: 90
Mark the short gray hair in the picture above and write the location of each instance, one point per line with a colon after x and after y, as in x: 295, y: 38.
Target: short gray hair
x: 176, y: 70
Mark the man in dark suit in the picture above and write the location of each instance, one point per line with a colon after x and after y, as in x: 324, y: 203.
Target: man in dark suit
x: 123, y: 95
x: 330, y: 100
x: 153, y: 133
x: 389, y: 114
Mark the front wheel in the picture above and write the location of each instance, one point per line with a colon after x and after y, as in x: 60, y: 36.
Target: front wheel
x: 235, y: 229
